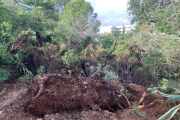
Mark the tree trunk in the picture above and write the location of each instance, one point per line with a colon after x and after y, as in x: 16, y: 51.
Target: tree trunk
x: 38, y: 40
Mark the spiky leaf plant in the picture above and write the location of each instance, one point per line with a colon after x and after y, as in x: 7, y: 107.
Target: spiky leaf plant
x: 172, y: 98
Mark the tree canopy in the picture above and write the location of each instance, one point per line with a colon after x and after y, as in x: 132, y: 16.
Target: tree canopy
x: 43, y: 12
x: 164, y: 13
x: 79, y: 16
x: 141, y: 8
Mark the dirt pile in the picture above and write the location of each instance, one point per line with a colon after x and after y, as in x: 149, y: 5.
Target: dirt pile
x: 62, y: 93
x: 62, y: 97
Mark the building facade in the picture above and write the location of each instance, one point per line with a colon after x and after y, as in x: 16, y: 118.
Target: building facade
x: 116, y: 29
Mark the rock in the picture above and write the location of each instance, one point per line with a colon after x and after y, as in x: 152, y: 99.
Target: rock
x: 39, y: 119
x: 136, y: 87
x: 53, y: 117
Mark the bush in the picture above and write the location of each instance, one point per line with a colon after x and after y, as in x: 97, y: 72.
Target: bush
x: 162, y: 57
x: 4, y: 75
x: 69, y: 57
x: 106, y: 40
x: 41, y: 70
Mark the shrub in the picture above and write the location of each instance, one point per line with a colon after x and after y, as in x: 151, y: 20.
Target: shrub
x: 41, y: 70
x: 107, y: 72
x: 163, y: 51
x: 106, y: 40
x: 69, y: 57
x: 4, y: 75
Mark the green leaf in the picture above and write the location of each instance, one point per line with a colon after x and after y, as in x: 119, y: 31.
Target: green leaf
x: 177, y: 90
x: 152, y: 90
x: 166, y: 95
x: 168, y: 115
x: 175, y: 98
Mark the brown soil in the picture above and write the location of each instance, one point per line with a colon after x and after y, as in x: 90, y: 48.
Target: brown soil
x: 63, y: 93
x: 66, y: 98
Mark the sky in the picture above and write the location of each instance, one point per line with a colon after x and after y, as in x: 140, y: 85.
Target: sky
x: 111, y: 12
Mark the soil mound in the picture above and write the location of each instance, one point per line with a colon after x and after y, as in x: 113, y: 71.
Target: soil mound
x: 63, y: 97
x: 62, y: 93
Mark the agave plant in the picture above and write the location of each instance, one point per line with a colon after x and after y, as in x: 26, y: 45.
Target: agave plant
x: 172, y: 98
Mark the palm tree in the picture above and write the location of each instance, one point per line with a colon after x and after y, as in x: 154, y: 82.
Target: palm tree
x: 42, y: 12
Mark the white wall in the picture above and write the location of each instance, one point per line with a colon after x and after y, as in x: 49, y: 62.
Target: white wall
x: 109, y: 29
x: 106, y: 29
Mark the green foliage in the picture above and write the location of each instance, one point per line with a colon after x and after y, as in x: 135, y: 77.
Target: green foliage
x: 42, y: 17
x: 107, y: 40
x: 27, y: 74
x: 6, y: 39
x: 109, y: 74
x: 162, y: 53
x: 121, y: 48
x: 78, y: 13
x: 167, y: 19
x: 123, y: 32
x: 5, y: 31
x: 61, y: 4
x: 4, y: 54
x: 24, y: 79
x: 84, y: 44
x: 165, y: 83
x: 61, y: 34
x: 4, y: 75
x: 172, y: 98
x: 70, y: 72
x: 164, y: 13
x: 39, y: 8
x: 41, y: 70
x: 79, y: 20
x: 69, y: 57
x: 140, y: 9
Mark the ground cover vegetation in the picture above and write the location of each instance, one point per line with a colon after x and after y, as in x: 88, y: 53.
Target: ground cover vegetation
x: 49, y: 47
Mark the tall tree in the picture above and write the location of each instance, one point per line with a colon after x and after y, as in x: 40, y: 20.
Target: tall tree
x: 79, y: 19
x: 42, y: 12
x: 167, y: 19
x: 141, y: 8
x: 61, y: 4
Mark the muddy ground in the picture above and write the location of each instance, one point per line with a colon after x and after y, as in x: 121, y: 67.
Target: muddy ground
x: 62, y: 97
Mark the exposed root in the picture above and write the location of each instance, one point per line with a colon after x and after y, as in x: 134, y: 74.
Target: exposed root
x: 38, y: 84
x: 55, y: 92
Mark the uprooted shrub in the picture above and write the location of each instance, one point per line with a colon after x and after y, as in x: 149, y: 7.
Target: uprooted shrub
x: 107, y: 72
x: 53, y: 93
x: 47, y: 56
x: 129, y: 63
x: 125, y: 60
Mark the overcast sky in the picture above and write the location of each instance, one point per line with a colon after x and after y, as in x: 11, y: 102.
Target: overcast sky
x: 111, y: 12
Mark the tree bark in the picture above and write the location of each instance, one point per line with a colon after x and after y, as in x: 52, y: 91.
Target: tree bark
x: 38, y: 40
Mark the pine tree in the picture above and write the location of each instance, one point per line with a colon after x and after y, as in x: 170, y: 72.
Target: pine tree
x: 42, y: 12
